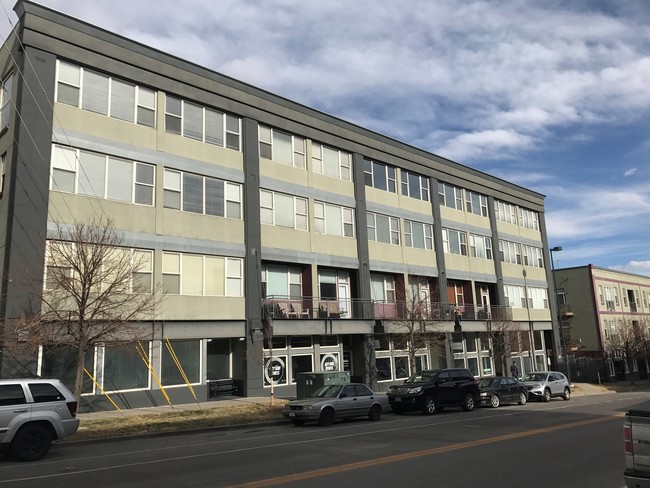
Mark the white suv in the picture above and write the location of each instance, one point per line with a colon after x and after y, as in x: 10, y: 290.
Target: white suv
x: 33, y: 412
x: 544, y: 385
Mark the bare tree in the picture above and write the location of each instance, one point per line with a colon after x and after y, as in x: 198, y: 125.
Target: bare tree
x: 503, y: 334
x: 95, y: 291
x: 630, y: 339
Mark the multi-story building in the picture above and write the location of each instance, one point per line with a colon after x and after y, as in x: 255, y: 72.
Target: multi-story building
x: 254, y: 209
x: 605, y: 318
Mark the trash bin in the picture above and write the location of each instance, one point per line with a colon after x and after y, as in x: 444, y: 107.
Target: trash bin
x: 308, y: 383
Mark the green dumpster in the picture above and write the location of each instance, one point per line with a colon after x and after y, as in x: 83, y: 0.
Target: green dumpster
x: 308, y: 383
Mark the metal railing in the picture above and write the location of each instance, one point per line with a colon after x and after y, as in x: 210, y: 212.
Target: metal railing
x: 284, y: 307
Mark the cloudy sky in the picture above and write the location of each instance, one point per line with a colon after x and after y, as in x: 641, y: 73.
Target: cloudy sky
x: 553, y: 95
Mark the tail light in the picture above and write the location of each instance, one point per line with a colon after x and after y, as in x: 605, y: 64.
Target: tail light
x: 72, y: 407
x: 627, y: 439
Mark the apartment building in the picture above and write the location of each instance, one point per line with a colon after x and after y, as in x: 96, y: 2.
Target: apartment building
x: 254, y: 210
x: 605, y: 317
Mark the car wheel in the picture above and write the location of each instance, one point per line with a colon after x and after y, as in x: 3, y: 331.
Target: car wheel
x: 326, y: 417
x: 397, y: 409
x: 429, y: 406
x: 523, y: 398
x: 298, y: 422
x: 567, y: 394
x: 547, y: 395
x: 494, y: 401
x: 468, y: 402
x: 31, y: 443
x: 375, y: 413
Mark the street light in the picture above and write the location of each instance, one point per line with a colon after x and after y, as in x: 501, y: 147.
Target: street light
x: 562, y: 348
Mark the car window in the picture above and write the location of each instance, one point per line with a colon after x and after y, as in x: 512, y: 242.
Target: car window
x: 348, y: 391
x: 504, y: 382
x: 444, y: 377
x: 511, y: 381
x: 45, y: 392
x: 12, y: 395
x: 460, y: 375
x: 327, y: 391
x: 363, y: 390
x: 553, y: 377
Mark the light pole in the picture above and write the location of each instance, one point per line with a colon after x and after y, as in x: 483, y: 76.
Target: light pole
x: 562, y: 348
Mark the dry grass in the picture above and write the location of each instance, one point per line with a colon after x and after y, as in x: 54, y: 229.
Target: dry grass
x: 176, y: 421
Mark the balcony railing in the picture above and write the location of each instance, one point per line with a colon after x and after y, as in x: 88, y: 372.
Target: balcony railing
x: 283, y: 307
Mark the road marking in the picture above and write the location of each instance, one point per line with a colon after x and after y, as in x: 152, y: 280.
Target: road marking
x: 417, y: 454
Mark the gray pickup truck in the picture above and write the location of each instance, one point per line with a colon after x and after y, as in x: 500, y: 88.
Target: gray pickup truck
x: 636, y: 436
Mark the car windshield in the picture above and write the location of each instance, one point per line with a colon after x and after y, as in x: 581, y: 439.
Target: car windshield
x: 421, y: 377
x: 488, y: 383
x: 534, y: 377
x: 327, y: 391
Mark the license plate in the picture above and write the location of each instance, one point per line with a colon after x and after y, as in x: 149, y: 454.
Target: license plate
x: 292, y: 414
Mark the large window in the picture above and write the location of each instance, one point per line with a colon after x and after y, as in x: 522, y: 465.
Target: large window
x: 380, y: 175
x: 5, y: 101
x: 454, y: 242
x: 202, y: 123
x: 283, y: 210
x: 202, y: 194
x: 415, y: 185
x: 124, y: 369
x: 333, y: 220
x: 538, y: 297
x: 282, y: 147
x: 105, y: 95
x: 505, y: 212
x: 282, y: 282
x: 533, y: 256
x: 480, y: 246
x: 450, y: 196
x: 382, y: 288
x: 476, y: 203
x: 331, y: 162
x: 98, y: 175
x: 382, y: 228
x: 515, y: 296
x: 510, y: 252
x: 194, y: 274
x: 528, y: 219
x: 418, y: 234
x: 180, y: 362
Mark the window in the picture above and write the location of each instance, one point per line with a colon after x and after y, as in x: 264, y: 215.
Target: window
x: 480, y: 246
x: 202, y: 194
x: 382, y: 288
x: 505, y: 212
x: 282, y: 281
x: 384, y: 369
x: 533, y: 256
x: 382, y: 228
x: 124, y: 369
x: 282, y: 147
x: 601, y: 296
x: 510, y: 252
x: 415, y: 185
x: 105, y: 95
x: 283, y: 210
x: 515, y: 296
x: 454, y: 242
x: 476, y: 203
x: 333, y: 220
x: 5, y: 101
x: 101, y: 176
x: 538, y: 297
x: 180, y: 361
x: 3, y: 169
x: 528, y: 219
x: 201, y: 123
x: 194, y: 274
x: 417, y: 234
x: 380, y: 176
x: 331, y: 162
x: 142, y: 279
x: 450, y: 196
x: 616, y: 299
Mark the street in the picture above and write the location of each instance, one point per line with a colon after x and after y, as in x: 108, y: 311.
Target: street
x: 575, y: 443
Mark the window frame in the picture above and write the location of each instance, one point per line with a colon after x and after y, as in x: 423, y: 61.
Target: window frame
x: 460, y: 239
x: 298, y: 154
x: 423, y: 192
x: 372, y: 170
x: 296, y: 213
x: 427, y: 233
x: 448, y: 191
x: 344, y: 161
x: 321, y: 224
x: 476, y: 203
x: 393, y: 228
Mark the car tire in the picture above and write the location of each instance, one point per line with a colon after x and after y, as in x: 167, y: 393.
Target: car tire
x: 494, y: 401
x: 298, y: 422
x: 375, y: 413
x: 523, y: 398
x: 429, y: 407
x: 326, y: 418
x: 546, y: 395
x: 397, y: 409
x: 468, y: 402
x: 567, y: 394
x: 31, y: 442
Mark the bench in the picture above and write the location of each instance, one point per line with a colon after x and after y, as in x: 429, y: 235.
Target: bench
x: 223, y: 387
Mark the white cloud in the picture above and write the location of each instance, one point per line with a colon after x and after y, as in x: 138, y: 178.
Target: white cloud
x: 637, y: 267
x: 629, y: 172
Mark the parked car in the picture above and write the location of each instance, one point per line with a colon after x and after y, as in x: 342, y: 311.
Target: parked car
x: 334, y: 402
x: 496, y: 390
x: 34, y: 412
x: 432, y: 390
x: 544, y: 385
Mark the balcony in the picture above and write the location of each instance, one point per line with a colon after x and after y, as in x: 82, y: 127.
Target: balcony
x: 566, y: 311
x: 287, y: 308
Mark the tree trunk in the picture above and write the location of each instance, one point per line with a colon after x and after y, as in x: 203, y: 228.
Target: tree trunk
x: 79, y: 377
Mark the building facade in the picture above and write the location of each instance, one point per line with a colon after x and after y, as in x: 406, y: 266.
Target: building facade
x: 253, y: 211
x: 605, y: 318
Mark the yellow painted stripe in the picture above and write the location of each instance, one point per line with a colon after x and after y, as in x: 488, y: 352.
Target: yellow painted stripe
x: 416, y: 454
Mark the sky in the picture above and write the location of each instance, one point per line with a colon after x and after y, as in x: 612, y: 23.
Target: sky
x: 553, y: 96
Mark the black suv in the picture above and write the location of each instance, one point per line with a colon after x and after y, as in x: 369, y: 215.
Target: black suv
x: 432, y: 390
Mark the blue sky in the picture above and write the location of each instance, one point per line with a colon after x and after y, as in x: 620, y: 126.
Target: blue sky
x: 553, y: 97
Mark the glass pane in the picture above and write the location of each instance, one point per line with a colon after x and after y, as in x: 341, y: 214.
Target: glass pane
x: 284, y: 212
x: 144, y: 194
x: 214, y: 127
x: 64, y: 158
x: 330, y: 162
x: 147, y: 117
x: 232, y: 141
x: 333, y: 220
x: 68, y: 94
x: 172, y: 199
x: 192, y: 276
x: 214, y: 197
x: 282, y: 151
x: 122, y: 100
x: 69, y: 74
x: 173, y: 105
x: 95, y: 93
x: 383, y: 229
x: 120, y: 180
x: 171, y: 284
x: 123, y: 368
x: 63, y: 180
x: 92, y: 174
x: 214, y: 276
x: 188, y: 355
x: 192, y: 121
x: 192, y: 193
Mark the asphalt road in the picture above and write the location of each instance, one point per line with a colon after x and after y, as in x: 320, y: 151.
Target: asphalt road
x: 574, y: 444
